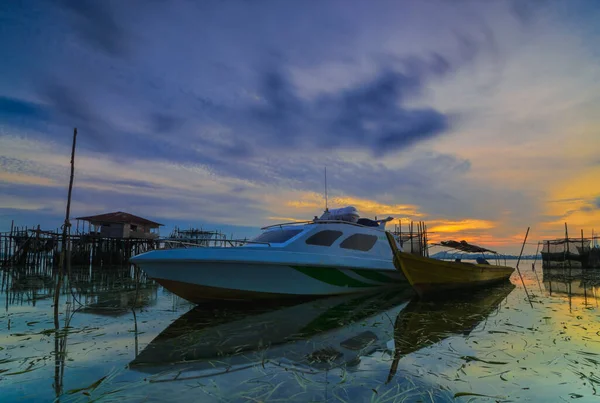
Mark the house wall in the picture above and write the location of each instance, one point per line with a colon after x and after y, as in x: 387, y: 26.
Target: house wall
x: 139, y: 231
x: 126, y: 230
x: 112, y: 230
x: 118, y: 230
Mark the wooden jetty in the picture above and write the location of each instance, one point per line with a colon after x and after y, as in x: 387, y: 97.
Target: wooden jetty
x: 26, y: 246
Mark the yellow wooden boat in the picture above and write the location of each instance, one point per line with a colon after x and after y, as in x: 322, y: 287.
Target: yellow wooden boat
x: 431, y: 276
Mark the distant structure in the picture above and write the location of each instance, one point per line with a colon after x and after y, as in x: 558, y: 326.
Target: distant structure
x: 570, y: 253
x: 120, y: 225
x: 196, y: 236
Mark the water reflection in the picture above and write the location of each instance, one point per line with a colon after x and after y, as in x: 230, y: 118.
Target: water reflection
x: 319, y: 334
x: 573, y: 282
x: 423, y: 323
x: 212, y: 340
x: 130, y: 340
x: 102, y: 287
x: 34, y: 340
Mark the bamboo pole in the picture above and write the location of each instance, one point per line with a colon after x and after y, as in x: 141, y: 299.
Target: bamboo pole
x: 519, y: 271
x: 400, y: 231
x: 66, y: 227
x: 533, y: 267
x: 411, y: 235
x: 568, y: 252
x: 10, y: 245
x: 426, y: 240
x: 582, y: 250
x: 419, y: 237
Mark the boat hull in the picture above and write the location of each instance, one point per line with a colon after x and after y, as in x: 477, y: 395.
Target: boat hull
x: 432, y: 277
x: 201, y: 281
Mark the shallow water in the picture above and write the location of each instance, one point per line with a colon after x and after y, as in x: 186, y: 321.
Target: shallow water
x: 123, y: 338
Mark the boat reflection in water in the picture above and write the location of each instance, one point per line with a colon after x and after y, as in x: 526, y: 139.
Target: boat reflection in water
x: 222, y: 338
x: 424, y: 323
x: 317, y: 335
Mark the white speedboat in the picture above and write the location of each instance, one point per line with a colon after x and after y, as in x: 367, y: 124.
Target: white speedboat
x: 338, y: 253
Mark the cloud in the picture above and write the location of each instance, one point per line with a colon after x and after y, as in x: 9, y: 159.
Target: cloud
x: 16, y: 178
x: 143, y: 106
x: 525, y: 11
x: 165, y: 123
x: 206, y: 99
x: 186, y: 190
x: 449, y: 226
x: 370, y: 115
x: 67, y: 102
x: 96, y: 24
x: 16, y: 108
x: 591, y: 205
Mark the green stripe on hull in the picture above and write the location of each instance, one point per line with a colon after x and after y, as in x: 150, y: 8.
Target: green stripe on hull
x: 375, y: 276
x: 331, y: 276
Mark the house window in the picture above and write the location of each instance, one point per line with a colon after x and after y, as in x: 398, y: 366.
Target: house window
x: 360, y: 242
x: 324, y: 238
x: 134, y: 227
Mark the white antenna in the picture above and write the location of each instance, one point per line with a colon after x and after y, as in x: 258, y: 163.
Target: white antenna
x: 326, y: 208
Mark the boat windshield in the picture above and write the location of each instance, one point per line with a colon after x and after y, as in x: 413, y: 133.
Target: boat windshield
x: 277, y: 235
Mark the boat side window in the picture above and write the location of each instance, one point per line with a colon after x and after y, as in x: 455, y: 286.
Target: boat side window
x: 324, y: 238
x: 360, y: 242
x: 277, y: 235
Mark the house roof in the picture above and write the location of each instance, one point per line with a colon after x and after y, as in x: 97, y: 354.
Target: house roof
x: 119, y: 217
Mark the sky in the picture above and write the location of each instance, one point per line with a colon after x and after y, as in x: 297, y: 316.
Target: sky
x: 478, y: 118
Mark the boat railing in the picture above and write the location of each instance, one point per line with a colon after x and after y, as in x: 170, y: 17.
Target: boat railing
x: 245, y: 241
x: 181, y: 243
x: 321, y: 222
x: 289, y: 223
x: 231, y: 242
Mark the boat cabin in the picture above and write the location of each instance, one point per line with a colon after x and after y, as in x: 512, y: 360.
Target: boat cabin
x: 340, y: 228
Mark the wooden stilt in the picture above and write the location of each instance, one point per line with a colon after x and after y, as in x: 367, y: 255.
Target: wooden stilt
x: 519, y: 271
x: 66, y: 231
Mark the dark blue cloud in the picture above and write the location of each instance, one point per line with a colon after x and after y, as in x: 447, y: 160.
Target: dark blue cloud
x: 181, y: 85
x: 165, y: 123
x: 67, y: 101
x: 348, y: 178
x: 133, y: 184
x: 593, y: 205
x: 11, y: 107
x: 589, y: 205
x: 31, y: 115
x: 525, y: 11
x: 369, y: 116
x: 96, y: 24
x: 205, y: 206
